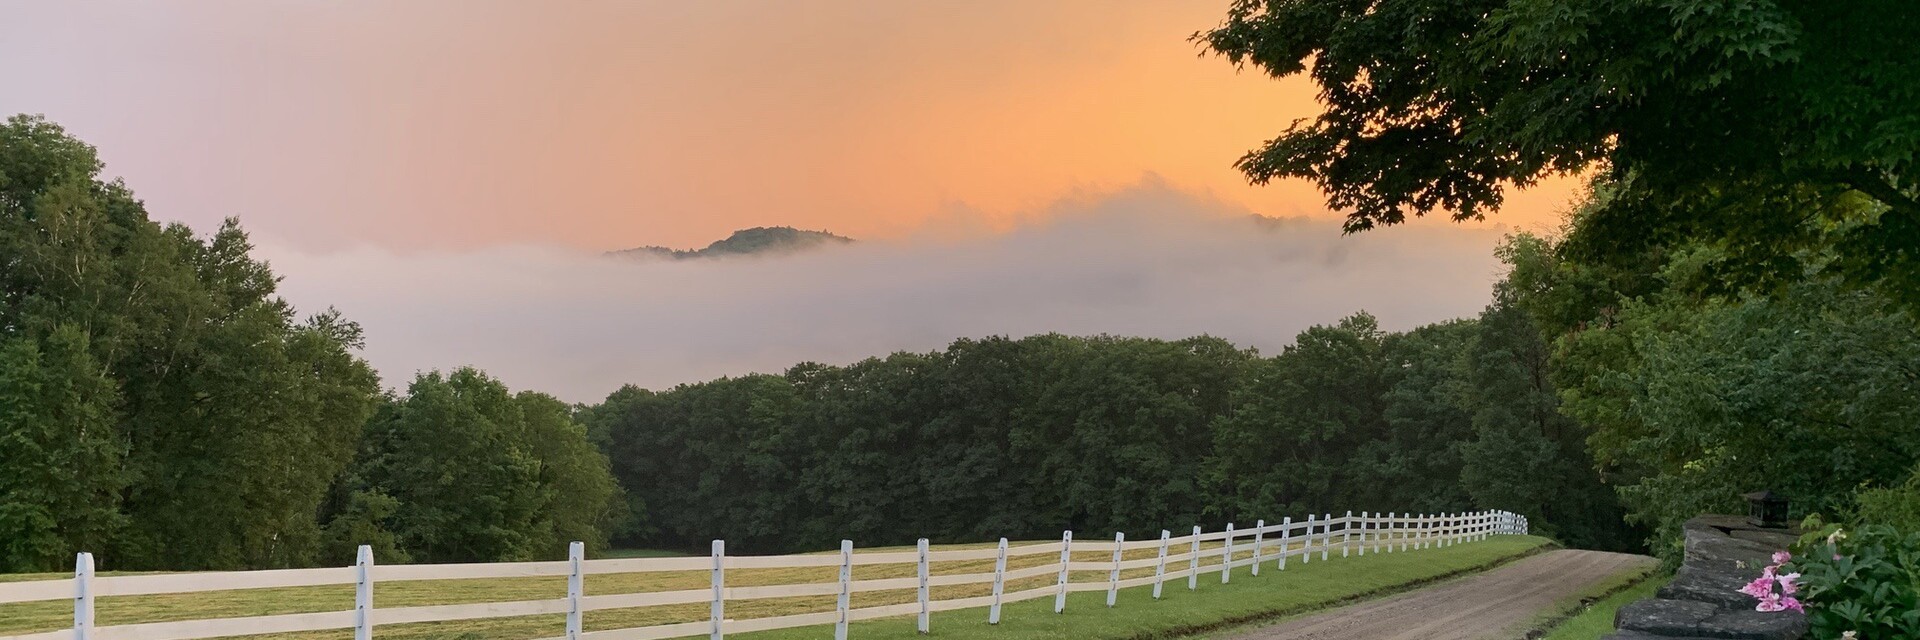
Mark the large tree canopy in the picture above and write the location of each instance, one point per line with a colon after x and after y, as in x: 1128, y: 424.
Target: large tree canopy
x: 1784, y: 131
x: 158, y: 403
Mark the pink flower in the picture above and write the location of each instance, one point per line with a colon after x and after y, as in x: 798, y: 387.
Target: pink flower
x: 1761, y: 587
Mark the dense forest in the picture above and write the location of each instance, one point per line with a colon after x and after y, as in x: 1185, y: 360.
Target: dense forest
x: 1730, y: 308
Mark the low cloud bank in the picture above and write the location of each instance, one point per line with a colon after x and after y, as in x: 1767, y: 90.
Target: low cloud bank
x: 1145, y: 261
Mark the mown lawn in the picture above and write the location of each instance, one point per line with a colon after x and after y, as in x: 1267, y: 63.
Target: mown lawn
x: 1597, y: 620
x: 1301, y: 586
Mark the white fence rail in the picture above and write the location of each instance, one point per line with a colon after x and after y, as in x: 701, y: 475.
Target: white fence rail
x: 1318, y: 535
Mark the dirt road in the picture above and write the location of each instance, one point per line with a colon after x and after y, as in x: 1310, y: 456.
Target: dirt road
x: 1494, y: 605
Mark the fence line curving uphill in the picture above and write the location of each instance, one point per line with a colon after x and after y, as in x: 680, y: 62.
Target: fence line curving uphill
x: 1319, y: 534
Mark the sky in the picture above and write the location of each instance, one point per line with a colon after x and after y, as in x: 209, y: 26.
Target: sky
x: 434, y: 134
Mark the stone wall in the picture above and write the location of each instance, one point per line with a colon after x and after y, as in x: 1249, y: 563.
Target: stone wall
x: 1723, y: 553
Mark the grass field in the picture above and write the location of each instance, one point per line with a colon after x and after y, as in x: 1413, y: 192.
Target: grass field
x: 1302, y: 586
x: 1597, y: 620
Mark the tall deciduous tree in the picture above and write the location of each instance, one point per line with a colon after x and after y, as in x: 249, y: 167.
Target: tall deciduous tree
x: 1747, y: 124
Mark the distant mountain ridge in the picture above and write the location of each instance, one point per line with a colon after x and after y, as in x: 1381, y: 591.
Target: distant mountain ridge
x: 755, y: 241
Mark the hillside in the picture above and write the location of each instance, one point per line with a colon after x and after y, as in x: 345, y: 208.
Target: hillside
x: 758, y: 240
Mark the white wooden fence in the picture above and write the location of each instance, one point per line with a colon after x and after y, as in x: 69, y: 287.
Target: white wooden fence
x: 1320, y: 535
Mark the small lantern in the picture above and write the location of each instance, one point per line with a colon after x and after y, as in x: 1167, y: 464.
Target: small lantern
x: 1767, y: 509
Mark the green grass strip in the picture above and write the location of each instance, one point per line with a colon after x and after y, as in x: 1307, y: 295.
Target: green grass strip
x: 1597, y: 620
x: 1180, y: 613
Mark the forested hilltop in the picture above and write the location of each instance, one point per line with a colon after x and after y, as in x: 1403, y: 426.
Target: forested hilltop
x: 754, y: 241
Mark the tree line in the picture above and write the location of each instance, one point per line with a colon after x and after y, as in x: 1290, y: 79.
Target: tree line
x: 1027, y: 437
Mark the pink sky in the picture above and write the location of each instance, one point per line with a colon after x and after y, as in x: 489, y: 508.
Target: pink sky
x: 459, y: 125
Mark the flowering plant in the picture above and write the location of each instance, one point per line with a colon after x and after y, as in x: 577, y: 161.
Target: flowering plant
x: 1862, y: 582
x: 1773, y: 589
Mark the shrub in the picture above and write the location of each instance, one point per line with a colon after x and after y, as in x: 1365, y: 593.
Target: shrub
x: 1896, y: 506
x: 1866, y: 581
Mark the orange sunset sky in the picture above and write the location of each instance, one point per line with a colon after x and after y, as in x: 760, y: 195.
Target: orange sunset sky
x: 601, y: 125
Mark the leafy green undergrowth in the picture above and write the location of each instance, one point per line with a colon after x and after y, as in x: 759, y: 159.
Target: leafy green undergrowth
x: 1597, y: 620
x: 1181, y: 613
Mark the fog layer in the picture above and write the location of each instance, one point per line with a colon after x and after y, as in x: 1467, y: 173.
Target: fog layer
x: 1146, y: 261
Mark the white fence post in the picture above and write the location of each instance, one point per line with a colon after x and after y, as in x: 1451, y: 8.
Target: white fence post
x: 1363, y: 533
x: 82, y: 596
x: 1066, y: 560
x: 363, y: 593
x: 1306, y: 547
x: 576, y: 587
x: 1346, y: 536
x: 846, y: 588
x: 1286, y: 540
x: 1326, y: 535
x: 1259, y: 538
x: 1193, y: 561
x: 1160, y: 568
x: 999, y: 583
x: 926, y: 613
x: 1406, y: 532
x: 1113, y: 581
x: 1226, y: 556
x: 719, y: 609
